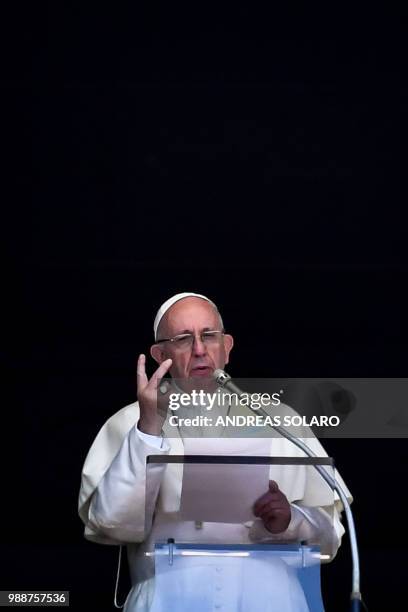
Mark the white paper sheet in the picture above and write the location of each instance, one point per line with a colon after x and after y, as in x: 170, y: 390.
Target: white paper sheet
x: 224, y: 493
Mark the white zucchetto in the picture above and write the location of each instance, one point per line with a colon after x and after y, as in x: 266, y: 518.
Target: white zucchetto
x: 169, y: 303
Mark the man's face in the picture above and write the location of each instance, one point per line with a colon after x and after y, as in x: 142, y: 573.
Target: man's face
x: 192, y: 315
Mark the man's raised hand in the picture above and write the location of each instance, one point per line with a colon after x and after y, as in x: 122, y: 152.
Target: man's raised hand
x: 152, y: 415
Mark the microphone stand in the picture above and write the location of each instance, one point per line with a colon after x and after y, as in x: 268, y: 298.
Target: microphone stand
x: 224, y: 380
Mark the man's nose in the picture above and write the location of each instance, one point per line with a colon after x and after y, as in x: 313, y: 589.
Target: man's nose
x: 199, y: 348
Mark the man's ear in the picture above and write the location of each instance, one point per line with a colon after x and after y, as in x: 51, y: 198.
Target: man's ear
x: 157, y: 353
x: 228, y: 344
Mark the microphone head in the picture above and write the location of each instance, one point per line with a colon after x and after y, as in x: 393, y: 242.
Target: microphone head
x: 221, y: 377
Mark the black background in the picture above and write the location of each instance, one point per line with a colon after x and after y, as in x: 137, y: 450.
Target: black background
x: 254, y: 155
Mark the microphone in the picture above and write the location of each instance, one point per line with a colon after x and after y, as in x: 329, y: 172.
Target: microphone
x: 224, y: 380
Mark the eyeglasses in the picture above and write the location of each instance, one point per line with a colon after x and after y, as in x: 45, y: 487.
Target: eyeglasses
x: 185, y: 341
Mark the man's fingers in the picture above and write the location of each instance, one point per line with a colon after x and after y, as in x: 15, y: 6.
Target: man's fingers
x: 163, y: 393
x: 261, y: 503
x: 271, y: 515
x: 141, y: 372
x: 160, y: 372
x: 275, y: 496
x: 274, y: 507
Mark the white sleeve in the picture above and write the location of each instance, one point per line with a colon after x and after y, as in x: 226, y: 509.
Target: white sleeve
x: 155, y: 441
x: 317, y: 526
x: 121, y: 508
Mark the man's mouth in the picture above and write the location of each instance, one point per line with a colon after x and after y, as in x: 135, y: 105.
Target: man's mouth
x: 201, y: 371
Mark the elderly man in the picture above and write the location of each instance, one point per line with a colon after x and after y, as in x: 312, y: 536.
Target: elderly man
x: 118, y: 505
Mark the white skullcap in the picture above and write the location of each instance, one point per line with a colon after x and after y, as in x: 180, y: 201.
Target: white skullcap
x: 169, y: 303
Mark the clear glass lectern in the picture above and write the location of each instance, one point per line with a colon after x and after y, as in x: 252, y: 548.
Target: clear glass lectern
x: 204, y: 548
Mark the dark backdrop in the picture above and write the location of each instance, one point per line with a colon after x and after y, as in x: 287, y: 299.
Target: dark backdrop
x: 256, y: 156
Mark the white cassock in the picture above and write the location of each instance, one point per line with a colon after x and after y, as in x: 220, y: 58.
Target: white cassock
x: 117, y: 508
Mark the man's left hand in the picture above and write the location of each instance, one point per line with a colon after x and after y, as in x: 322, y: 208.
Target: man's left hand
x: 274, y: 509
